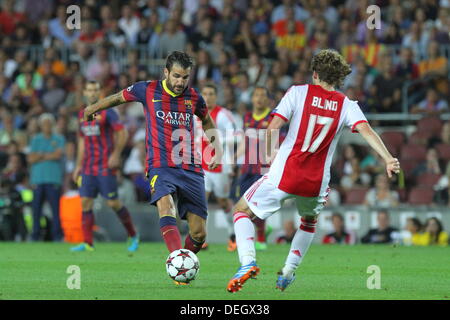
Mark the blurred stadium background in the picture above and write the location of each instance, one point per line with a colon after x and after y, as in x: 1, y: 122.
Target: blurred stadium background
x: 400, y: 78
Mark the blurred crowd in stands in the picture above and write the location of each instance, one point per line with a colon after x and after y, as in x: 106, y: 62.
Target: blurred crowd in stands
x: 238, y: 45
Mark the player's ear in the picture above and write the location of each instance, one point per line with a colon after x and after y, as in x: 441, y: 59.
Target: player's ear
x: 166, y: 73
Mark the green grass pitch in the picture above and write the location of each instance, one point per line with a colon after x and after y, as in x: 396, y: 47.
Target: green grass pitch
x: 39, y: 271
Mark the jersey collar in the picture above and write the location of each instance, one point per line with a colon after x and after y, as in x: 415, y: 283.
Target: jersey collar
x: 166, y: 89
x: 262, y: 115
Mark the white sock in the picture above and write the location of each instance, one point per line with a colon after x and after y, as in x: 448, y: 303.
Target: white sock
x: 299, y: 246
x: 245, y: 237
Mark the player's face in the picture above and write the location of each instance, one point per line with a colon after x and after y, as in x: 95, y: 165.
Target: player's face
x: 209, y: 94
x: 92, y: 92
x: 177, y: 78
x: 259, y: 98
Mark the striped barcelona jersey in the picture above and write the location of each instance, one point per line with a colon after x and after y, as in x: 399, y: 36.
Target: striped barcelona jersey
x: 224, y: 121
x: 98, y: 141
x: 317, y: 118
x: 169, y: 124
x: 254, y: 141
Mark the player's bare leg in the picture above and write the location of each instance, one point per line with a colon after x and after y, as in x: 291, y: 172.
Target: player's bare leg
x: 125, y: 217
x: 168, y: 223
x: 245, y: 239
x: 299, y: 246
x: 197, y: 232
x: 87, y: 226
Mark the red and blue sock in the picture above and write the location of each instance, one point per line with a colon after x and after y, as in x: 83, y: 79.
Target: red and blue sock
x: 88, y: 226
x: 170, y: 233
x: 125, y: 218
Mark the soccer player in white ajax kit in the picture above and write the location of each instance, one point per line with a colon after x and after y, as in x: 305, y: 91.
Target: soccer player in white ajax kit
x: 301, y: 167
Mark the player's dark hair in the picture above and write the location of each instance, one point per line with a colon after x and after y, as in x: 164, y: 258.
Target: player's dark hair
x: 263, y: 88
x: 212, y: 86
x: 180, y: 58
x: 331, y: 67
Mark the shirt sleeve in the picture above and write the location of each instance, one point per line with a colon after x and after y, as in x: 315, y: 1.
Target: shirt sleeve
x: 353, y: 115
x: 201, y: 110
x: 34, y: 145
x: 285, y: 108
x: 135, y: 92
x: 113, y: 119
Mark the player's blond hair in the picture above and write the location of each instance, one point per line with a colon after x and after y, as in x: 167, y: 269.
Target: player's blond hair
x: 331, y: 67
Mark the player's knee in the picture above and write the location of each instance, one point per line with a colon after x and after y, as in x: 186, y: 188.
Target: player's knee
x: 87, y: 204
x: 114, y: 204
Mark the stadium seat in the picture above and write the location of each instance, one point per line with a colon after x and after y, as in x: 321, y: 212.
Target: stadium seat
x: 420, y: 196
x: 393, y: 140
x: 444, y: 151
x: 408, y: 167
x: 430, y: 124
x: 427, y: 180
x: 356, y: 195
x: 420, y: 137
x: 410, y: 152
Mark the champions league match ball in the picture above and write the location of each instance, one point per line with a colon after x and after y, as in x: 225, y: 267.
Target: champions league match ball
x: 182, y: 265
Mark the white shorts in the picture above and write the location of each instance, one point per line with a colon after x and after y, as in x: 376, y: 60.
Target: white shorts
x: 264, y: 199
x: 217, y: 182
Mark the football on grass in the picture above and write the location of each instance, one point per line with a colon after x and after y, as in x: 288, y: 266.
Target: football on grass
x: 182, y: 265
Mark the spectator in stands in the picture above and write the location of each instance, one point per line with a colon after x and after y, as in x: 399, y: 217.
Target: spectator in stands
x: 435, y: 64
x: 129, y: 23
x: 406, y: 69
x: 340, y: 235
x: 288, y: 232
x: 46, y: 152
x: 53, y: 96
x: 351, y: 169
x: 432, y: 164
x: 387, y: 86
x: 172, y: 39
x: 434, y: 234
x: 432, y: 104
x: 382, y: 233
x: 414, y: 230
x: 381, y: 196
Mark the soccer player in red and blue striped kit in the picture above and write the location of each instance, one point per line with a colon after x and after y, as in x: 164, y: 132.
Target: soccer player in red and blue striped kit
x: 100, y: 144
x: 173, y: 168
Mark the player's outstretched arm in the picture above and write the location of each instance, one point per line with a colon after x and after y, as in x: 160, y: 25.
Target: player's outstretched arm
x: 105, y: 103
x: 374, y: 140
x: 79, y: 161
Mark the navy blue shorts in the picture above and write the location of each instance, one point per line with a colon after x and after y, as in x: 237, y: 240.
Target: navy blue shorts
x: 187, y: 187
x: 90, y: 186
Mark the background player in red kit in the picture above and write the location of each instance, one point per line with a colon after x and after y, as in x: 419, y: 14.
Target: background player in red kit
x: 217, y: 181
x: 173, y: 168
x: 301, y: 168
x: 100, y: 144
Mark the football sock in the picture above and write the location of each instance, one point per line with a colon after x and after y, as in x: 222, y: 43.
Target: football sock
x: 125, y: 218
x: 245, y: 237
x: 170, y: 233
x: 192, y: 244
x: 299, y: 246
x: 260, y: 229
x: 87, y: 226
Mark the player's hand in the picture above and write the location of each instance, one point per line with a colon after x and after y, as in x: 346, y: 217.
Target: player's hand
x: 113, y: 161
x: 76, y: 174
x: 392, y: 166
x: 89, y: 113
